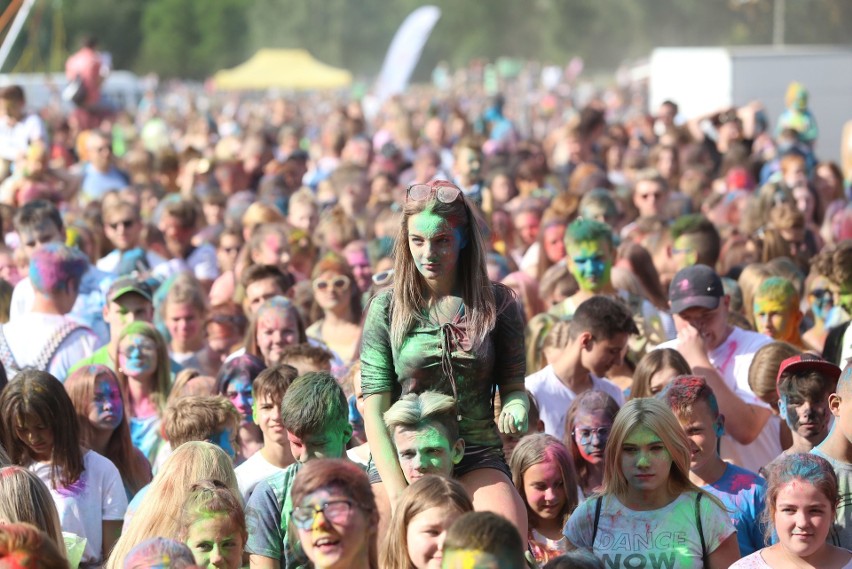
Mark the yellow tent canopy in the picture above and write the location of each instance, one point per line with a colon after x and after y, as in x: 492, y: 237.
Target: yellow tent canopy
x: 281, y: 69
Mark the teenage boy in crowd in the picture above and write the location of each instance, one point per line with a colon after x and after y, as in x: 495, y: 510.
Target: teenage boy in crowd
x: 804, y: 385
x: 590, y: 252
x: 315, y: 414
x: 590, y: 256
x: 722, y: 354
x: 128, y: 301
x: 45, y: 337
x: 38, y: 223
x: 741, y: 491
x: 123, y: 227
x: 483, y: 539
x: 695, y: 241
x: 210, y: 418
x: 597, y: 340
x: 837, y: 450
x: 777, y: 313
x: 425, y: 432
x: 262, y: 282
x: 268, y: 392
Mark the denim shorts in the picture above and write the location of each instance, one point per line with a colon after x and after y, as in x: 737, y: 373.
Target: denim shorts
x: 475, y: 457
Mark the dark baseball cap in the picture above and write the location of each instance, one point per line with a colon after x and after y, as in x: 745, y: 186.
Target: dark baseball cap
x: 125, y: 285
x: 808, y: 362
x: 695, y: 286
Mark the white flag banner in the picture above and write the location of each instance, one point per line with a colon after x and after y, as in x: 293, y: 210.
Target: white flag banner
x: 405, y: 50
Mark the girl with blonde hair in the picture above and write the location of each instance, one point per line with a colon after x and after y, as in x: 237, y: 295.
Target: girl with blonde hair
x: 143, y: 374
x: 445, y: 327
x: 647, y: 492
x: 425, y: 512
x: 25, y: 498
x: 213, y: 525
x: 159, y: 512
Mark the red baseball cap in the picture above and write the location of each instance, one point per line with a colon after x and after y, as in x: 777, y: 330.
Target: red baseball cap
x: 808, y: 362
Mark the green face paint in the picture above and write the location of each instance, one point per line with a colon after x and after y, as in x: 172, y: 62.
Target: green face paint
x: 775, y: 317
x: 645, y: 461
x: 590, y: 263
x: 469, y: 559
x: 434, y: 245
x: 683, y: 253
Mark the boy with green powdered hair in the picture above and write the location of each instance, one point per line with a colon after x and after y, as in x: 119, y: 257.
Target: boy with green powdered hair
x: 590, y: 253
x: 315, y: 414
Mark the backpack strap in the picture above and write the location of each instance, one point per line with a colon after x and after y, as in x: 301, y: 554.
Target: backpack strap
x: 6, y: 356
x: 700, y: 529
x: 53, y: 343
x: 598, y: 504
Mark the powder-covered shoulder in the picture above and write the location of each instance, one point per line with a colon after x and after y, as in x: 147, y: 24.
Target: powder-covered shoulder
x: 381, y: 301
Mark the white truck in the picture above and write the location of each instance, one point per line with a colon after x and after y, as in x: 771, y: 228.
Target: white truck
x: 705, y: 79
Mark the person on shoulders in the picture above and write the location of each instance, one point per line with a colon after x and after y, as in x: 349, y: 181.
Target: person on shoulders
x: 598, y: 336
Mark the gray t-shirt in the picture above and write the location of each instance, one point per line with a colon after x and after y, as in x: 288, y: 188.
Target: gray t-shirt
x: 267, y: 516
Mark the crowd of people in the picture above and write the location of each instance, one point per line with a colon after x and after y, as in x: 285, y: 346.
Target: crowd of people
x: 281, y: 333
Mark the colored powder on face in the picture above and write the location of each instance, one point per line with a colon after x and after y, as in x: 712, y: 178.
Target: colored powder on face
x: 590, y: 264
x: 427, y: 224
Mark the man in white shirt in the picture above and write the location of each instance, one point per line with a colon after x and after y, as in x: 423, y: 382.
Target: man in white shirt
x: 722, y: 354
x: 45, y: 337
x: 597, y: 341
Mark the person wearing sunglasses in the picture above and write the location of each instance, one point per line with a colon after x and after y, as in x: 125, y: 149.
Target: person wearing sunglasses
x: 335, y: 517
x: 445, y: 327
x: 336, y: 311
x: 123, y: 227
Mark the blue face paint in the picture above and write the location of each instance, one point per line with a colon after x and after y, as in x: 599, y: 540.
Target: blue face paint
x: 239, y: 393
x: 224, y: 440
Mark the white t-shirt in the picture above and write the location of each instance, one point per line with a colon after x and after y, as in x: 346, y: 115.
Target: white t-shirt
x: 846, y: 347
x: 732, y: 360
x: 15, y: 139
x: 755, y: 561
x: 27, y: 335
x: 252, y: 472
x: 98, y: 496
x: 88, y: 308
x: 202, y: 262
x: 667, y: 537
x: 554, y: 398
x: 110, y: 262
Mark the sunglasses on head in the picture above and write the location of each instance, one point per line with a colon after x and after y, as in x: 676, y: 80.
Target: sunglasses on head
x: 443, y: 192
x: 337, y: 283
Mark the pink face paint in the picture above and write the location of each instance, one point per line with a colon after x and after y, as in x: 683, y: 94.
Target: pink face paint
x: 107, y: 408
